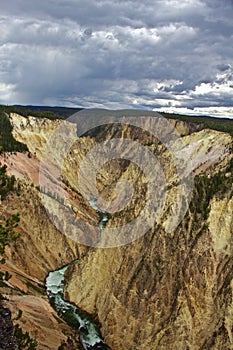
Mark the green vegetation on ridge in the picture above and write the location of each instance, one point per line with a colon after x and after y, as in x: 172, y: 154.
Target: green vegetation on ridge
x: 7, y: 183
x: 219, y: 124
x: 7, y: 141
x: 26, y: 112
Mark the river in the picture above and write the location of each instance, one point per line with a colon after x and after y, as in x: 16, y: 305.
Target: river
x: 90, y: 336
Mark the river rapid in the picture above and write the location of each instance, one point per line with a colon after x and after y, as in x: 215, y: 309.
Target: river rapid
x: 90, y: 336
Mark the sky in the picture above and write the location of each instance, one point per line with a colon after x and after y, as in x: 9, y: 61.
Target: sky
x: 163, y: 55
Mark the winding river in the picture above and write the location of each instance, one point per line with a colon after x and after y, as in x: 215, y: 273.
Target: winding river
x: 90, y: 336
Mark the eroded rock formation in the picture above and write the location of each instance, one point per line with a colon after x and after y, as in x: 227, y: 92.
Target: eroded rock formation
x: 167, y: 290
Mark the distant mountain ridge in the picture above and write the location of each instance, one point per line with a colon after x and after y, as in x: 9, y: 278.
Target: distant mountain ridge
x: 64, y: 112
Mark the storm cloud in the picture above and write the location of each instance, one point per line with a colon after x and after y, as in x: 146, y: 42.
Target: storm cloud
x: 165, y: 55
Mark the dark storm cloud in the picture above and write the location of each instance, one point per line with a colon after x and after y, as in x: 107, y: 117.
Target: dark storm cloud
x: 223, y: 67
x: 163, y: 54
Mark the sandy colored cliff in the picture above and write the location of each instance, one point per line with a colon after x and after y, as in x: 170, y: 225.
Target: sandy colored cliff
x: 166, y: 290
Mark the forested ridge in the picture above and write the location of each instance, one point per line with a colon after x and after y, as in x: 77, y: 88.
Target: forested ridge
x: 219, y: 124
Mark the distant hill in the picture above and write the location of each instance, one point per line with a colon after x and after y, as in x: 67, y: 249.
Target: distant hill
x: 64, y: 112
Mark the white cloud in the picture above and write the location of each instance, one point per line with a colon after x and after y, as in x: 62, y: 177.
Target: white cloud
x: 226, y: 112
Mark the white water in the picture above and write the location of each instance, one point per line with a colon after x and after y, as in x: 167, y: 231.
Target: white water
x: 103, y: 214
x: 90, y: 336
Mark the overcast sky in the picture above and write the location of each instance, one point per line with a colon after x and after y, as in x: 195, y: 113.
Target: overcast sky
x: 169, y: 55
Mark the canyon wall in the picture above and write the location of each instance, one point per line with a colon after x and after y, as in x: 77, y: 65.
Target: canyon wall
x: 40, y: 248
x: 165, y: 290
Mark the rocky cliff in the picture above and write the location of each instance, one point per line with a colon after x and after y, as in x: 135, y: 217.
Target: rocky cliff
x: 164, y: 291
x: 40, y: 248
x: 168, y: 289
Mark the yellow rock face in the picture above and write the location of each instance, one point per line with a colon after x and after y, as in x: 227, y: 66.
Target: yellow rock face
x: 221, y: 225
x: 167, y: 291
x: 32, y: 131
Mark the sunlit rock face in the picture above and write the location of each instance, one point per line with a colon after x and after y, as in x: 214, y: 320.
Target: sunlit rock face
x: 166, y: 290
x: 32, y: 131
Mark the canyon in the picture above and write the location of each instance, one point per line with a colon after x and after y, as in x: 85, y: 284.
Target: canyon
x: 165, y: 289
